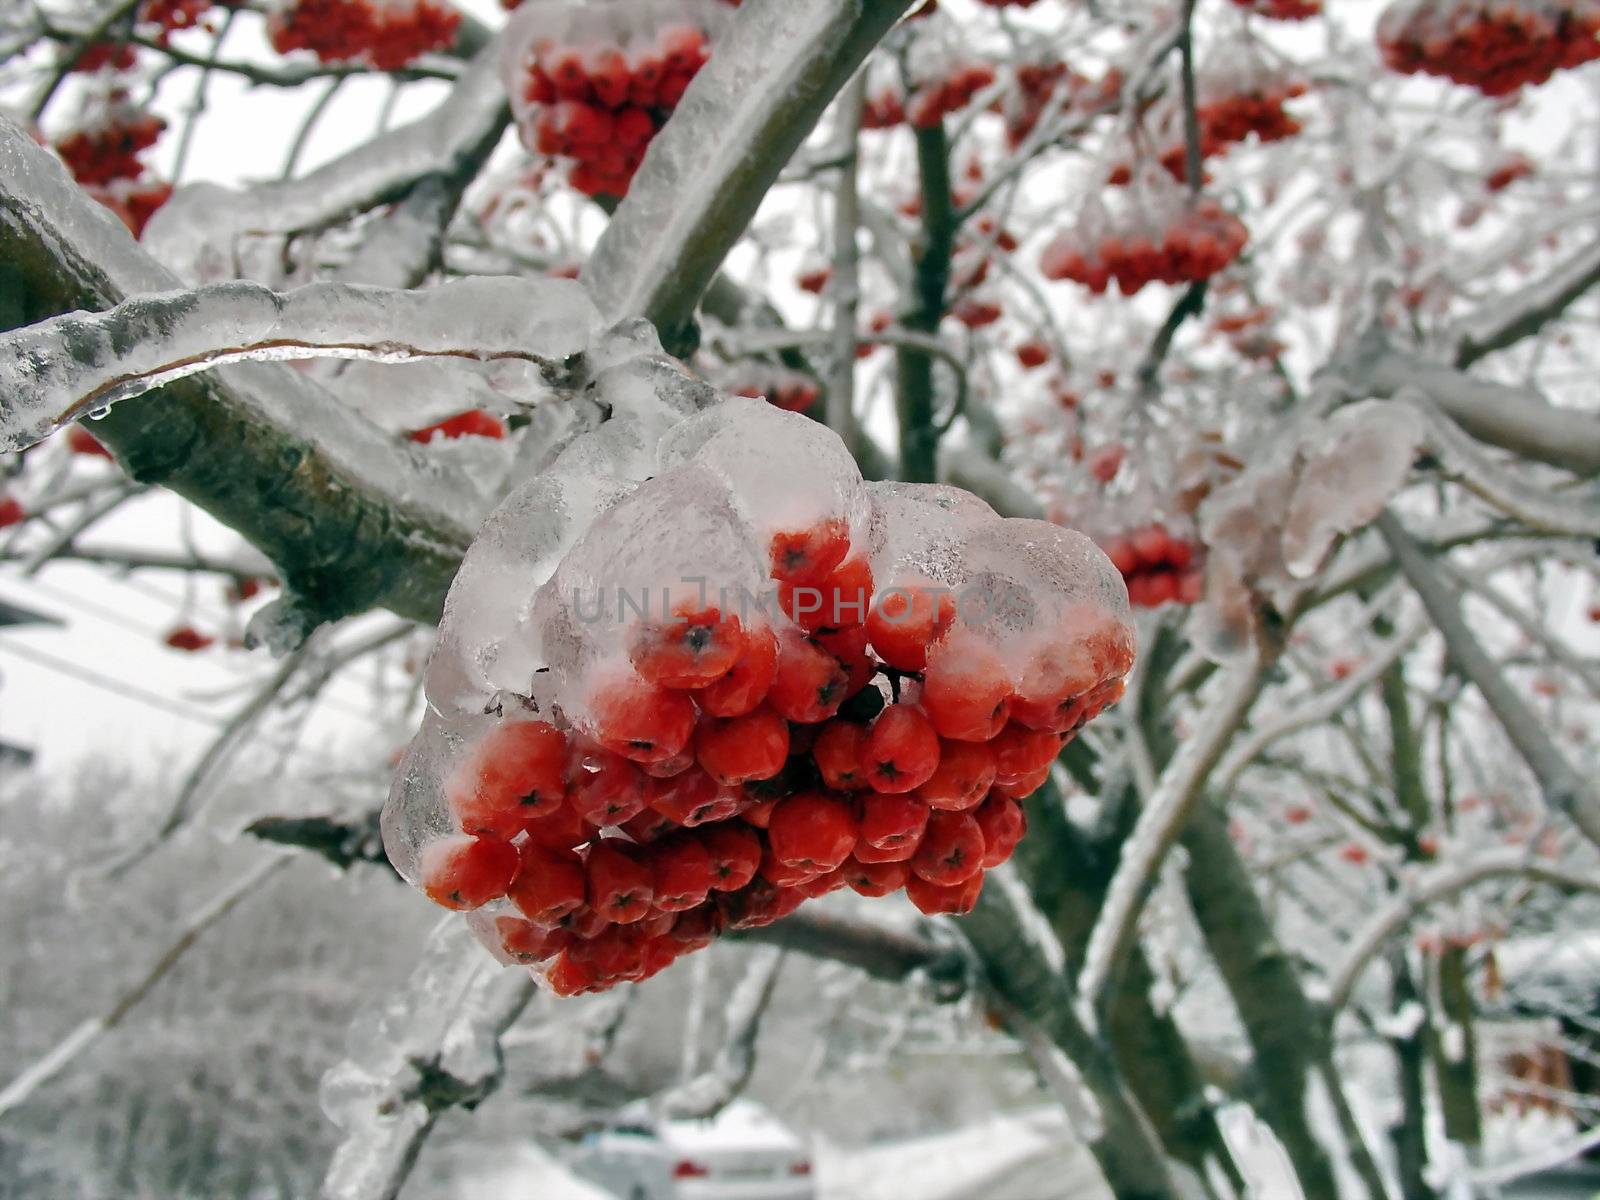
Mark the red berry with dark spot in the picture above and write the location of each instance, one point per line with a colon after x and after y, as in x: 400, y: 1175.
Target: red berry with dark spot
x: 682, y: 871
x: 811, y: 684
x: 735, y: 853
x: 694, y: 798
x: 875, y: 879
x: 903, y: 852
x: 569, y: 977
x: 693, y: 648
x: 560, y: 830
x: 949, y: 900
x: 808, y: 555
x: 641, y: 721
x: 962, y: 779
x: 466, y: 872
x: 550, y: 886
x: 811, y: 830
x: 906, y: 621
x: 529, y: 943
x: 746, y: 684
x: 738, y: 749
x: 513, y: 775
x: 966, y: 691
x: 892, y: 820
x: 620, y: 886
x: 837, y: 752
x: 605, y: 788
x: 951, y: 850
x: 1019, y: 752
x: 901, y: 751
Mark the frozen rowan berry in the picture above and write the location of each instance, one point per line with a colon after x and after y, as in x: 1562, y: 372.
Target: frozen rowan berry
x: 694, y: 798
x: 849, y: 648
x: 906, y: 621
x: 810, y: 684
x: 527, y: 942
x: 514, y: 774
x: 806, y: 556
x: 735, y: 749
x: 466, y: 872
x: 962, y: 779
x: 841, y: 599
x: 81, y: 441
x: 967, y: 690
x: 1002, y: 823
x: 759, y: 904
x: 787, y: 875
x: 690, y: 649
x: 616, y: 953
x: 682, y: 870
x: 947, y: 899
x: 875, y: 879
x: 11, y: 512
x: 606, y: 788
x: 951, y: 850
x: 620, y: 886
x: 641, y: 721
x: 585, y: 923
x: 549, y: 885
x: 746, y: 684
x: 188, y: 639
x: 892, y: 820
x: 696, y: 928
x: 569, y: 977
x: 1032, y: 354
x: 811, y: 830
x: 473, y: 423
x: 560, y: 830
x: 837, y: 752
x: 1024, y: 785
x: 759, y: 812
x: 1020, y: 752
x: 735, y: 853
x: 901, y: 751
x: 903, y: 852
x: 819, y: 886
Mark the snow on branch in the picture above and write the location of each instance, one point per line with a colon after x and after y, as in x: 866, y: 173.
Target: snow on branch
x: 713, y: 1089
x: 738, y: 124
x: 193, y: 233
x: 1511, y: 318
x: 1436, y: 884
x: 1565, y: 790
x: 80, y: 363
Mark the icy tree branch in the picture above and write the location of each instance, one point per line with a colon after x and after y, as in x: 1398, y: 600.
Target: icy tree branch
x: 1527, y: 310
x: 1564, y: 789
x: 86, y: 1034
x: 712, y: 1090
x: 739, y: 123
x: 1159, y: 825
x: 352, y: 519
x: 70, y: 366
x: 1432, y: 886
x: 1515, y: 419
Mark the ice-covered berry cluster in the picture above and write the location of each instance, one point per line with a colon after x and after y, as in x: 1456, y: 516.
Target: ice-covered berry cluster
x: 107, y: 147
x: 594, y: 82
x: 1496, y: 46
x: 1158, y: 566
x: 688, y: 696
x: 388, y: 34
x: 1159, y: 234
x: 783, y: 387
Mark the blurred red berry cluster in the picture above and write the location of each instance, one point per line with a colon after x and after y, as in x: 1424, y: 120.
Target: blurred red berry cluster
x: 1158, y: 567
x: 388, y: 34
x: 1198, y: 242
x: 1496, y: 46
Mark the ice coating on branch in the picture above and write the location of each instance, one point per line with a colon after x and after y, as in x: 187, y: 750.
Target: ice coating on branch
x: 664, y: 683
x: 61, y: 368
x: 1356, y: 465
x: 197, y: 231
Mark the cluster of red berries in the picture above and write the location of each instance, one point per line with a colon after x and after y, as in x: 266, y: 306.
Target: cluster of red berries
x: 790, y: 390
x: 704, y: 769
x: 1200, y: 241
x: 472, y: 423
x: 1496, y: 46
x: 388, y: 34
x: 594, y: 85
x: 133, y: 200
x: 106, y: 56
x: 109, y: 149
x: 172, y: 15
x: 1036, y: 86
x: 1283, y: 10
x: 935, y: 99
x: 1158, y: 567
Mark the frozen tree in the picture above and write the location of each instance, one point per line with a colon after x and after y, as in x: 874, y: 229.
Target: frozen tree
x: 1233, y: 349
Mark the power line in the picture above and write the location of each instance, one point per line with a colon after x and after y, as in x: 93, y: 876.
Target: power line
x: 107, y: 683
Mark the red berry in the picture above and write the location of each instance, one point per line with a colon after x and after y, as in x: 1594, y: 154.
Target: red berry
x: 640, y: 721
x: 811, y: 830
x: 81, y: 441
x: 11, y: 512
x: 868, y: 853
x: 888, y: 821
x: 569, y: 977
x: 739, y: 749
x: 1020, y: 752
x: 694, y: 797
x: 529, y: 943
x: 964, y: 776
x: 682, y: 871
x: 620, y: 886
x: 605, y: 788
x: 837, y: 752
x: 811, y: 684
x: 513, y: 775
x: 759, y: 813
x: 735, y: 853
x: 1002, y: 823
x: 808, y: 555
x: 875, y: 879
x: 697, y: 928
x: 906, y: 621
x: 967, y: 690
x: 466, y: 872
x: 760, y: 904
x: 951, y: 850
x: 1024, y: 786
x: 819, y: 886
x: 550, y: 885
x: 560, y: 830
x: 951, y: 900
x: 902, y: 750
x: 849, y: 647
x: 839, y: 600
x: 787, y: 875
x: 693, y: 648
x: 746, y: 684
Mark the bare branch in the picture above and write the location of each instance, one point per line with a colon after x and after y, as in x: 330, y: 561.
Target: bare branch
x: 1527, y: 310
x: 713, y: 1089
